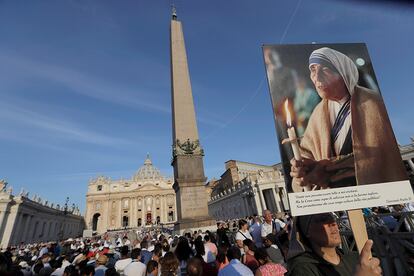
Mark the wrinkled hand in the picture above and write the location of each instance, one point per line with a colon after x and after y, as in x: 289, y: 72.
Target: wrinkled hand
x: 367, y: 265
x: 309, y: 172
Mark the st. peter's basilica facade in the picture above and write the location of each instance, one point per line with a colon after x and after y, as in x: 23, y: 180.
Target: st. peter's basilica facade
x: 144, y: 200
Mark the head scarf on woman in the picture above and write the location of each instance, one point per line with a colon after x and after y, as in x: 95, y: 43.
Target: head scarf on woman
x: 339, y: 62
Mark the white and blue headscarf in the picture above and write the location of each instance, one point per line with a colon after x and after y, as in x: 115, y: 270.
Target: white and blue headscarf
x: 338, y: 61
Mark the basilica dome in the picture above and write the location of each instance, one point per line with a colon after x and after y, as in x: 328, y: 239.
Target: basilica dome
x: 148, y: 172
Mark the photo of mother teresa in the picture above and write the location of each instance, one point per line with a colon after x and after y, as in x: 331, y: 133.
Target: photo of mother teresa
x: 348, y: 140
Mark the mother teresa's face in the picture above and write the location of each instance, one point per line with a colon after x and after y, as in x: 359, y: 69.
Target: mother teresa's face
x: 328, y: 83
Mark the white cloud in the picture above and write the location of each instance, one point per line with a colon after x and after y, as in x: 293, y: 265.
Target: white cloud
x: 64, y: 130
x: 82, y: 83
x: 86, y: 85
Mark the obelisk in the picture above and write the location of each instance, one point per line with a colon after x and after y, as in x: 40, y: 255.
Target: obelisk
x: 187, y: 153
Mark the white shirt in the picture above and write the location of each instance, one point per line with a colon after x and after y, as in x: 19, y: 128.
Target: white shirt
x: 279, y: 225
x: 119, y: 242
x: 208, y: 255
x: 246, y: 234
x: 76, y: 260
x: 57, y: 272
x: 121, y: 264
x: 268, y: 228
x: 135, y: 269
x: 65, y: 263
x: 274, y: 246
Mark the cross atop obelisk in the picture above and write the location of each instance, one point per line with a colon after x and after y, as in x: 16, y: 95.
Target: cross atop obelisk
x: 189, y: 179
x: 173, y: 12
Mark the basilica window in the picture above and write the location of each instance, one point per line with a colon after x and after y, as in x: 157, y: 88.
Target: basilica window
x: 124, y: 221
x: 125, y: 204
x: 99, y: 188
x: 149, y: 218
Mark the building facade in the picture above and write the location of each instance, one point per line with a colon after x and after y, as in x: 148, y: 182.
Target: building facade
x: 407, y: 154
x: 146, y: 199
x: 35, y: 220
x: 247, y: 189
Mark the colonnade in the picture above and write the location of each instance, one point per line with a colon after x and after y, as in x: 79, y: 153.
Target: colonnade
x: 24, y: 220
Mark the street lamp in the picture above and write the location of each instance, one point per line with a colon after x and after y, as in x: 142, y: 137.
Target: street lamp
x: 65, y: 212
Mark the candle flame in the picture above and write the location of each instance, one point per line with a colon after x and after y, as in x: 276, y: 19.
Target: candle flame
x: 288, y: 117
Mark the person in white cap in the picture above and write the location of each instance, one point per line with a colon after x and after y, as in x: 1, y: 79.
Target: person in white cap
x: 25, y: 268
x: 43, y: 250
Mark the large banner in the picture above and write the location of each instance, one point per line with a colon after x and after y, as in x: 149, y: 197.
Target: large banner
x: 333, y: 130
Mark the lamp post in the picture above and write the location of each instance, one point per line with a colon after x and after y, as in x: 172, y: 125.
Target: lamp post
x: 65, y: 212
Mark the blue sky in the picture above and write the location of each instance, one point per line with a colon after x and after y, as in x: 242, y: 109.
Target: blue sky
x: 85, y: 85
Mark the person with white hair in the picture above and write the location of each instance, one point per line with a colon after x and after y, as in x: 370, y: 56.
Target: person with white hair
x: 348, y: 133
x: 271, y: 226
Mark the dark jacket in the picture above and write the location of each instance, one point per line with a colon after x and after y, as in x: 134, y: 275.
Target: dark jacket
x: 275, y: 255
x: 310, y: 264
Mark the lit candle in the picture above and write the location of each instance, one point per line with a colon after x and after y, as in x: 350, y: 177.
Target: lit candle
x: 292, y: 133
x: 293, y: 139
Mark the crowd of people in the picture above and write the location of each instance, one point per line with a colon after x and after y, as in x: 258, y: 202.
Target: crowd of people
x: 253, y: 248
x: 257, y: 245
